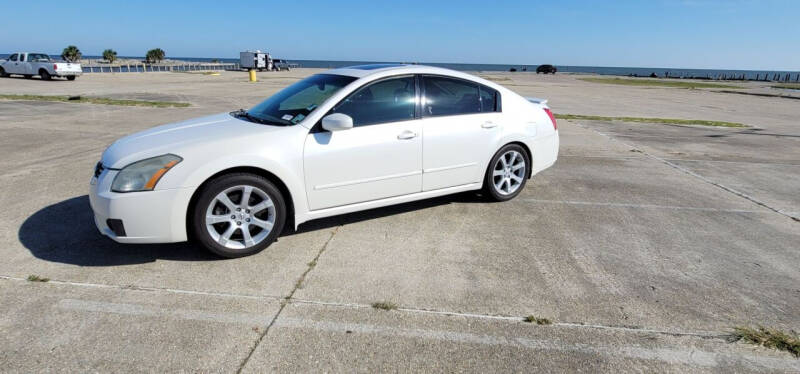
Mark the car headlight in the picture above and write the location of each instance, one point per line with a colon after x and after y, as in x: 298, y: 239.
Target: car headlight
x: 143, y: 175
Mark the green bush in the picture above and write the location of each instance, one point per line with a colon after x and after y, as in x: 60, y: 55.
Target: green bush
x: 71, y: 53
x: 154, y: 55
x: 110, y: 55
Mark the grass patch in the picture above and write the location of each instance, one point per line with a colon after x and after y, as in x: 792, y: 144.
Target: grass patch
x: 671, y: 121
x: 538, y: 320
x: 36, y: 278
x: 652, y: 82
x: 96, y: 100
x: 769, y: 338
x: 787, y: 86
x: 384, y: 305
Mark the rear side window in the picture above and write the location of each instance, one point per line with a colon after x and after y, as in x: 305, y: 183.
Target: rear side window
x: 449, y: 96
x: 38, y: 57
x: 389, y: 100
x: 490, y: 100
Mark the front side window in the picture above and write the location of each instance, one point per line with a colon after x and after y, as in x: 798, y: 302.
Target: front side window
x: 449, y: 96
x: 13, y: 57
x: 294, y: 103
x: 389, y: 100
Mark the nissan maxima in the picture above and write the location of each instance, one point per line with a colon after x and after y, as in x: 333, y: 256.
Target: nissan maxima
x: 341, y: 141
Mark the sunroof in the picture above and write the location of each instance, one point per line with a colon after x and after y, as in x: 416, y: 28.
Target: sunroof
x: 374, y: 66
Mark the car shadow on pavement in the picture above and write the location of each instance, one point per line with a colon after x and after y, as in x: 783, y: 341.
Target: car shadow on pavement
x: 65, y: 232
x: 344, y: 219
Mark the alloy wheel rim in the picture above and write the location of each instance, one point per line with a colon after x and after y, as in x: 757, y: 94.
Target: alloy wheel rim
x: 508, y: 173
x: 240, y: 217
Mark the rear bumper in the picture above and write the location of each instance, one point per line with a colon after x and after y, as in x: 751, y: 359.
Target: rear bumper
x: 148, y: 217
x: 68, y: 73
x: 545, y: 152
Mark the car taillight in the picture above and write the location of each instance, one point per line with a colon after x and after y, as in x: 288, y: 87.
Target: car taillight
x: 55, y: 67
x: 552, y: 118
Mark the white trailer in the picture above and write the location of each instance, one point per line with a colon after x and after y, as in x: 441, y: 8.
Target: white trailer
x: 255, y: 60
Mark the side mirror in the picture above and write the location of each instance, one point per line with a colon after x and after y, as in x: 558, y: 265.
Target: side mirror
x: 337, y: 121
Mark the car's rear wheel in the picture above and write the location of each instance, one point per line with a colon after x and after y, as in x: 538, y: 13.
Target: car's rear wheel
x: 71, y: 77
x: 507, y: 173
x: 238, y: 215
x: 45, y: 75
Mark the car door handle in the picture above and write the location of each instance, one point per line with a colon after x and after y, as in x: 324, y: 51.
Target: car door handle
x: 405, y: 135
x: 489, y: 125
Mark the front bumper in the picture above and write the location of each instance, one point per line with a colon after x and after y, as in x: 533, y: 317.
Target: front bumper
x: 148, y: 217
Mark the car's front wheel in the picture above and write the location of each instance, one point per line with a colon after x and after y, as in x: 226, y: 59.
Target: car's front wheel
x: 507, y: 173
x: 238, y: 215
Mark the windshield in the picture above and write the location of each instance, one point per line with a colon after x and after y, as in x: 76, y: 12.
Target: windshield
x: 293, y: 103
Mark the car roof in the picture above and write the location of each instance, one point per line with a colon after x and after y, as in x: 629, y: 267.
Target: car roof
x: 360, y: 71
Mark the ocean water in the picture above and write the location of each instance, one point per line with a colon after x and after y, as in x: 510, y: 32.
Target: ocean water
x: 602, y: 70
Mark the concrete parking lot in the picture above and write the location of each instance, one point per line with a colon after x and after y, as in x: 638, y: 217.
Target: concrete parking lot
x: 645, y: 245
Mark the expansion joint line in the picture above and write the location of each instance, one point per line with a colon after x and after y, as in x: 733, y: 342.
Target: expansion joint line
x: 288, y: 299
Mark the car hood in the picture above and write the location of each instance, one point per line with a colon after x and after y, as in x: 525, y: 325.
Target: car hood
x: 181, y: 136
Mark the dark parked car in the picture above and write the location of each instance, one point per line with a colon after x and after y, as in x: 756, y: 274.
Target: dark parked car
x: 278, y: 65
x: 546, y: 69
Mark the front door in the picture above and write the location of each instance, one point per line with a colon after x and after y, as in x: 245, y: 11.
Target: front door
x: 13, y: 64
x: 380, y: 157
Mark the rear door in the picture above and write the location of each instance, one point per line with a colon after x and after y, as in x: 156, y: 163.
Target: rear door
x: 461, y: 125
x: 380, y: 157
x: 26, y: 64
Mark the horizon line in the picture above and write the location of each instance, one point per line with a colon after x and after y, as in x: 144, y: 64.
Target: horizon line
x: 462, y: 63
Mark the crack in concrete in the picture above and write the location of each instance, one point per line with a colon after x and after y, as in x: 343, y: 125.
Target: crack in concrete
x: 287, y: 299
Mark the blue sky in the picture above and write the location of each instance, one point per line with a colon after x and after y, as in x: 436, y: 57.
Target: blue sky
x: 734, y: 34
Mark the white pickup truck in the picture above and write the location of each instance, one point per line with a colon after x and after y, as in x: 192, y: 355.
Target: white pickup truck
x: 30, y: 64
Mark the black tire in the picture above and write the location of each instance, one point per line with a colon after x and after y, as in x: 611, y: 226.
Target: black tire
x: 490, y: 191
x: 28, y: 76
x: 3, y: 73
x: 71, y: 77
x: 208, y: 196
x: 45, y: 75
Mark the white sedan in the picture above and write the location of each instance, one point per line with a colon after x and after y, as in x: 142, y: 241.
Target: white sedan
x: 345, y: 140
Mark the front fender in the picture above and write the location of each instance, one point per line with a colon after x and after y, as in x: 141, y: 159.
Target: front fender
x: 281, y: 169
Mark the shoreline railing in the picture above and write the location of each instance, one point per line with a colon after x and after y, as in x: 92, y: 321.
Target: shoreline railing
x: 146, y: 68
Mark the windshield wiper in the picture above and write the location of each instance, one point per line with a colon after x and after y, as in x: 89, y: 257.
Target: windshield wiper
x: 252, y: 118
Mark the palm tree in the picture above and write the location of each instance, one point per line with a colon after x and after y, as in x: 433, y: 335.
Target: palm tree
x: 110, y: 55
x: 154, y: 55
x: 71, y: 53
